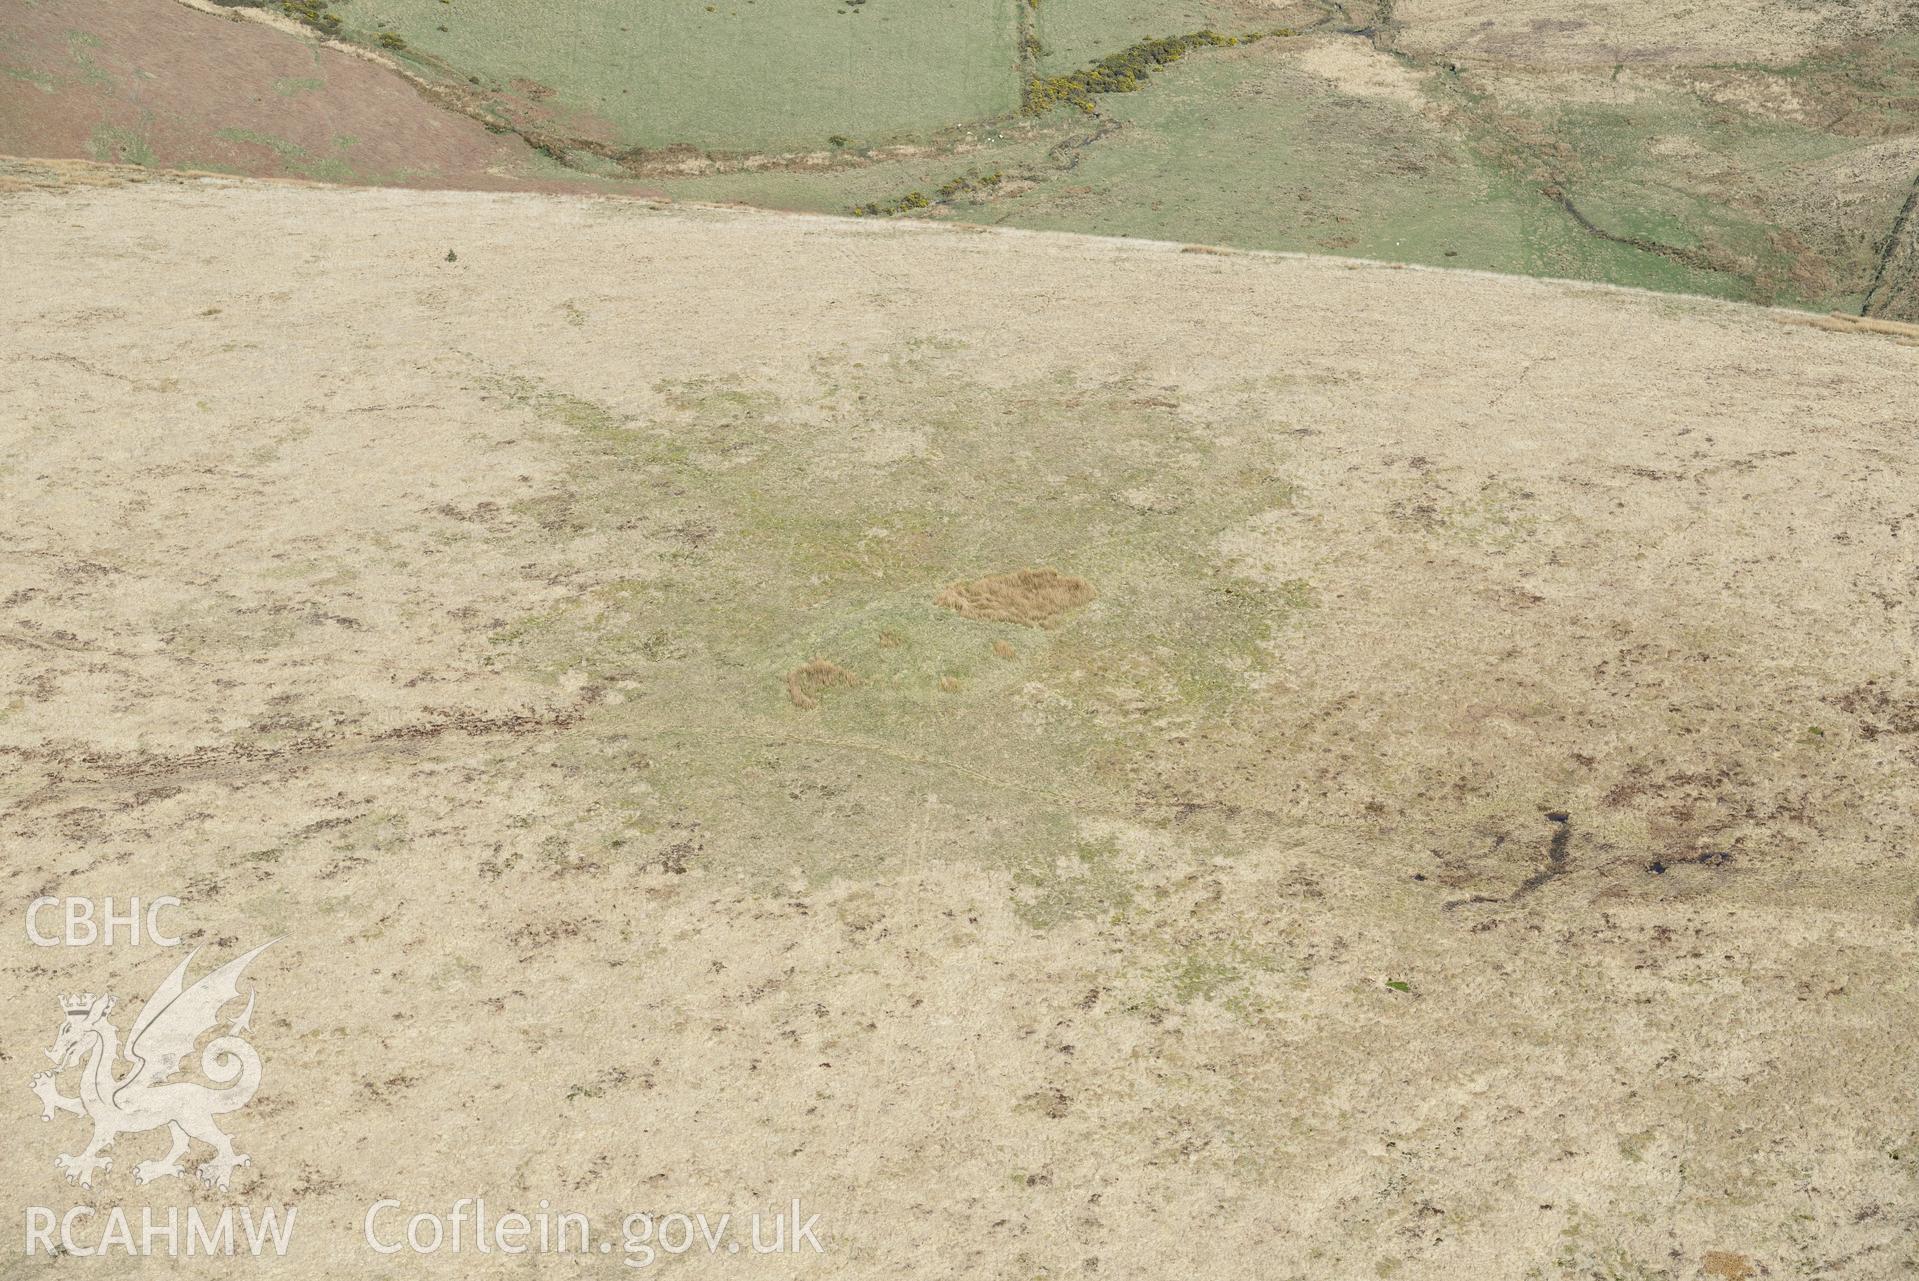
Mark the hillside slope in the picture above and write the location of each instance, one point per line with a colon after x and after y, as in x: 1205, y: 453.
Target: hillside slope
x: 157, y: 83
x: 1074, y: 758
x: 1764, y: 150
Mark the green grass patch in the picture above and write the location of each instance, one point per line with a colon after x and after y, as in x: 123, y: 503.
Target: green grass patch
x: 295, y: 158
x: 781, y: 537
x: 117, y: 144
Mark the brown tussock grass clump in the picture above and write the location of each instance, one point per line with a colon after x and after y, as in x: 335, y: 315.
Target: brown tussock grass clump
x: 1030, y: 597
x: 1727, y: 1266
x: 1840, y: 323
x: 1004, y: 650
x: 804, y: 682
x: 949, y: 685
x: 1874, y: 325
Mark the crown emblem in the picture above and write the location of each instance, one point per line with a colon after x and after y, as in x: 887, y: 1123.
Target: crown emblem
x: 77, y: 1003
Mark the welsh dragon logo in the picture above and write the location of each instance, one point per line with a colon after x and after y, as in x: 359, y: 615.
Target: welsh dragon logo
x: 145, y: 1098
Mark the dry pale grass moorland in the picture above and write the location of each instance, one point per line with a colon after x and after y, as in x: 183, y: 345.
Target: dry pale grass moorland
x: 1073, y: 758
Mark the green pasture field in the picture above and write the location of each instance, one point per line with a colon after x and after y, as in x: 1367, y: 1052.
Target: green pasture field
x: 733, y: 76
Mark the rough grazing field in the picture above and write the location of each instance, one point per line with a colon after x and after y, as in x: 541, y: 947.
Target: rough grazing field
x: 1772, y: 182
x: 1075, y: 758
